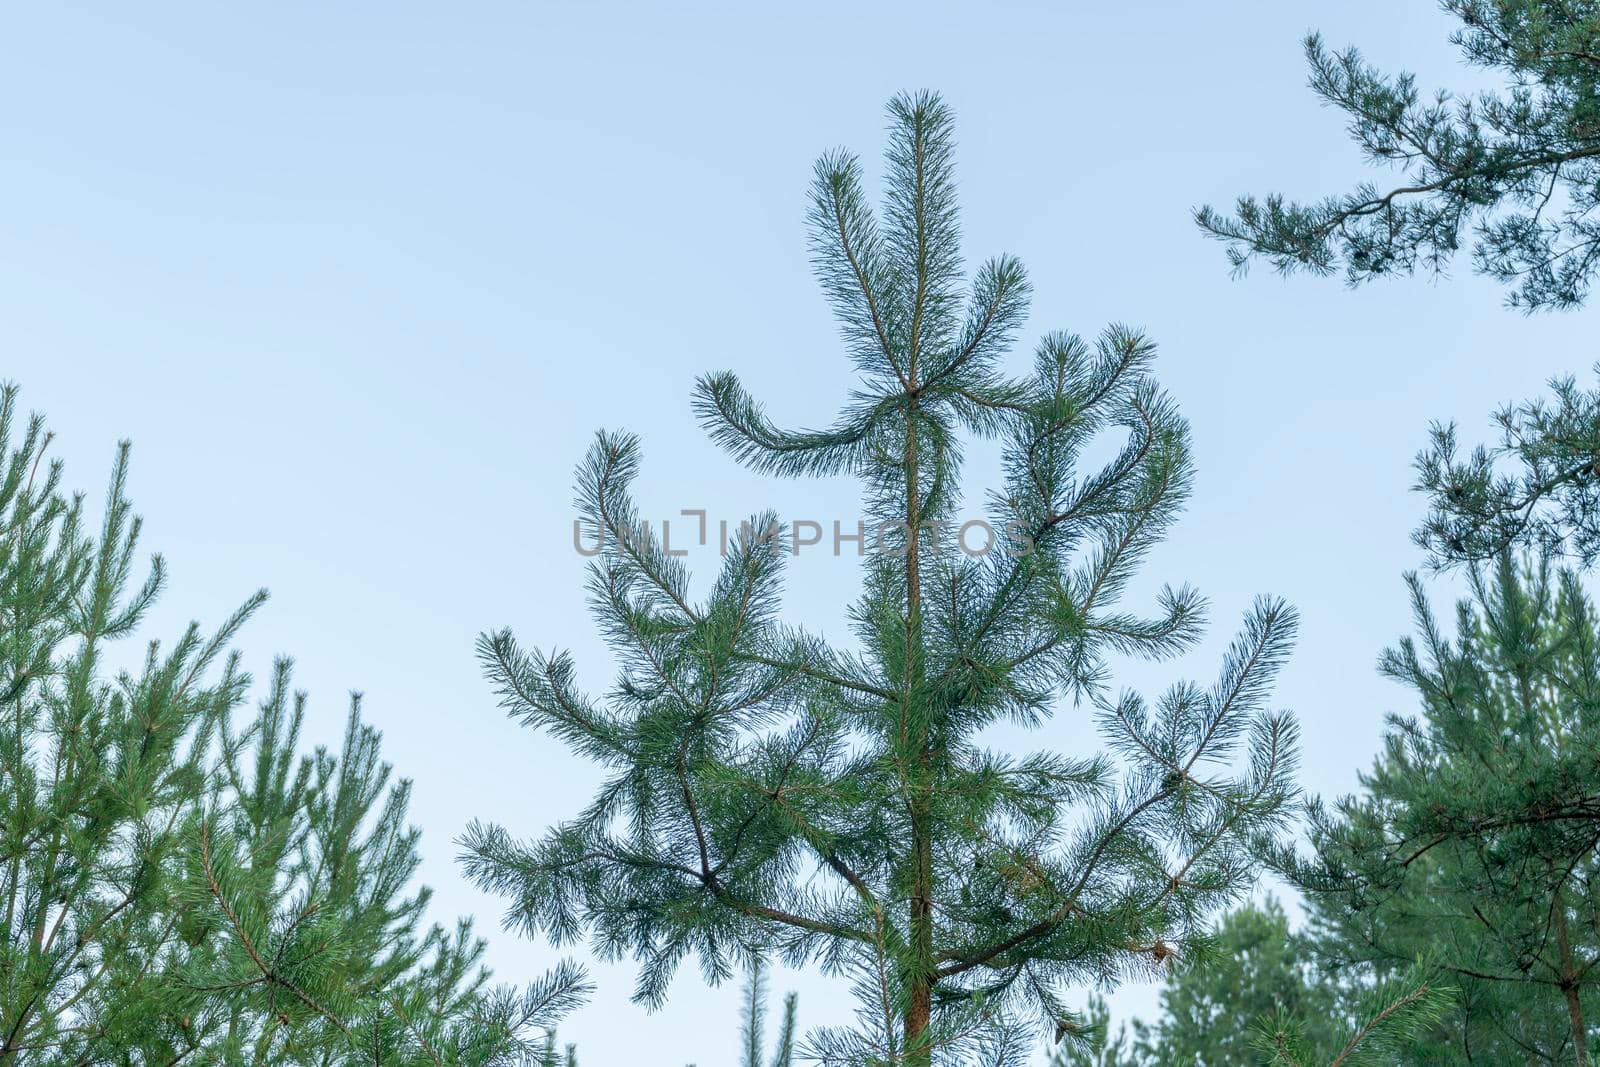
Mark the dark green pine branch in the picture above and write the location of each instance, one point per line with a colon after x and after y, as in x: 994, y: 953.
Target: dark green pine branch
x: 1513, y: 173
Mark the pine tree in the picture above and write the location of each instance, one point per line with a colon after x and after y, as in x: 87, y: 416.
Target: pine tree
x: 173, y: 890
x: 752, y: 1027
x: 99, y: 774
x: 962, y: 888
x: 1474, y: 837
x: 1516, y: 173
x: 1098, y: 1044
x: 550, y: 1057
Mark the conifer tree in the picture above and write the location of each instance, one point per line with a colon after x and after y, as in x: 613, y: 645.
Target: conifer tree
x: 1515, y: 173
x: 551, y: 1056
x: 752, y: 1027
x: 962, y: 888
x: 1257, y: 969
x: 1474, y: 837
x: 172, y: 890
x: 98, y: 775
x: 1099, y: 1044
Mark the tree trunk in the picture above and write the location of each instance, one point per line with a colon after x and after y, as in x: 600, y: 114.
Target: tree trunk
x: 919, y: 1004
x: 1580, y: 1038
x: 919, y: 998
x: 1570, y: 985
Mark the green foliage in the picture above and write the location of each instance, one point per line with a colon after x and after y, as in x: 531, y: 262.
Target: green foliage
x: 99, y: 775
x: 1473, y: 840
x: 1256, y: 995
x: 1538, y: 487
x: 963, y: 888
x: 174, y: 890
x: 296, y: 896
x: 1090, y: 1041
x: 1382, y: 1024
x: 753, y: 1017
x: 550, y: 1056
x: 1255, y: 969
x: 1516, y: 172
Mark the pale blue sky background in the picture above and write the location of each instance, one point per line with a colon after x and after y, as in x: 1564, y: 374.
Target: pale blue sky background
x: 360, y: 280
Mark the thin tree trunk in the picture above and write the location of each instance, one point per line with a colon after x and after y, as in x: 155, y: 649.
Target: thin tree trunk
x: 919, y: 1006
x: 919, y: 1003
x: 1580, y: 1039
x: 1570, y: 985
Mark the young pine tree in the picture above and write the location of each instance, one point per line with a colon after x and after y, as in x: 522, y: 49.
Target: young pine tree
x: 552, y: 1055
x: 98, y: 775
x: 1474, y: 839
x: 770, y: 793
x: 1258, y: 969
x: 752, y: 1028
x: 172, y: 891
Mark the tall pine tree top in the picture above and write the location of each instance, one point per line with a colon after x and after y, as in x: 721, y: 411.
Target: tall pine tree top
x: 768, y: 792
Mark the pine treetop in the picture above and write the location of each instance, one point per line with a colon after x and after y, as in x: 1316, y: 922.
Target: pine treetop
x: 768, y: 792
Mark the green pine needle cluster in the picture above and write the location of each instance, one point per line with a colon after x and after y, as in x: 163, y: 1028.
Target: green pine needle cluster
x: 1537, y: 488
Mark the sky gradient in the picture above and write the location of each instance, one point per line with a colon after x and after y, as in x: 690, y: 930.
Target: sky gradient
x: 360, y: 281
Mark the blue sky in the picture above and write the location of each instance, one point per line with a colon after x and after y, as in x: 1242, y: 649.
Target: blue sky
x: 361, y: 280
